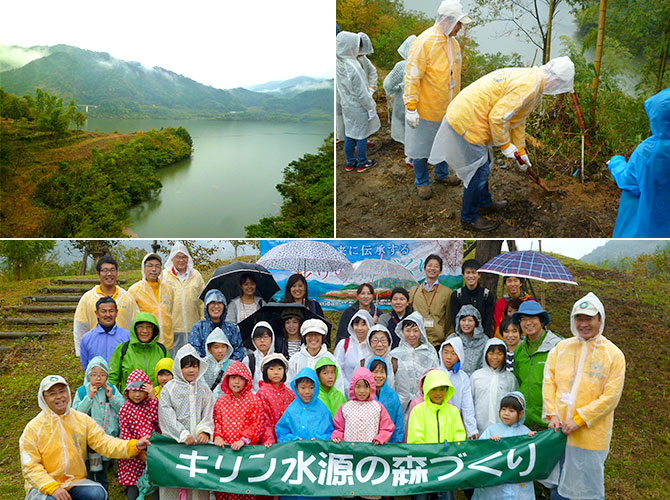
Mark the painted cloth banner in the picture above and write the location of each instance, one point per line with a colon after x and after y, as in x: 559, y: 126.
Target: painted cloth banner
x: 318, y: 468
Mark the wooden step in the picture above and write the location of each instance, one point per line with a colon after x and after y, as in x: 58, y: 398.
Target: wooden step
x: 39, y: 309
x: 73, y: 299
x: 83, y: 281
x: 64, y: 289
x: 35, y: 321
x: 20, y: 335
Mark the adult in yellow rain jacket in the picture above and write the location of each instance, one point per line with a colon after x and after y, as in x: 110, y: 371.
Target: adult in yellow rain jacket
x: 53, y: 446
x: 431, y: 422
x: 187, y: 282
x: 432, y: 80
x: 85, y: 318
x: 154, y: 296
x: 492, y: 111
x: 583, y: 381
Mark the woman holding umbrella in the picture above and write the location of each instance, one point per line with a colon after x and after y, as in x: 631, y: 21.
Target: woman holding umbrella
x: 365, y: 294
x: 296, y: 291
x: 247, y: 303
x: 513, y: 286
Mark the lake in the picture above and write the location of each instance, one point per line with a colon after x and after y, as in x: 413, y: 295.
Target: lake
x: 228, y: 183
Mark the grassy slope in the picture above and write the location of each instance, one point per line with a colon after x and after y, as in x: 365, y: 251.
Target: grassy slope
x: 637, y: 312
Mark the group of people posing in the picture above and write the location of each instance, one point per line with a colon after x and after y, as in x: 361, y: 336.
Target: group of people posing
x: 441, y: 366
x: 434, y: 119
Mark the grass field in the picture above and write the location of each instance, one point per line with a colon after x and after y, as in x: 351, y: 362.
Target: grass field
x: 637, y: 312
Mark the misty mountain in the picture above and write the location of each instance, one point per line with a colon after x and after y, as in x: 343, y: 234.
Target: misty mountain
x: 128, y: 89
x: 292, y: 86
x: 618, y: 249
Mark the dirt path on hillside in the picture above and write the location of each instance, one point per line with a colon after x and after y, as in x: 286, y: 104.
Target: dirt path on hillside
x: 383, y: 202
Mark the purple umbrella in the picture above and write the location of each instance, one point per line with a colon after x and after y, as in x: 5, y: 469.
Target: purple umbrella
x: 529, y: 264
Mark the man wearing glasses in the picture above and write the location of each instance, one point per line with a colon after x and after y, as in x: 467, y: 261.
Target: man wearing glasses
x: 85, y: 316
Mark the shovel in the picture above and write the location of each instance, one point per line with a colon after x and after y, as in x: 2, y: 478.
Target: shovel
x: 533, y: 175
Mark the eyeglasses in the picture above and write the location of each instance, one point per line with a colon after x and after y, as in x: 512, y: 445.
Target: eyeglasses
x: 108, y: 271
x: 379, y: 341
x: 98, y: 375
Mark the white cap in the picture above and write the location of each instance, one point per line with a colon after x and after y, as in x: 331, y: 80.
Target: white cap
x: 313, y: 325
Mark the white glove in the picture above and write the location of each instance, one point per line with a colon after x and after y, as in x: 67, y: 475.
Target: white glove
x: 509, y: 151
x: 371, y: 114
x: 526, y: 163
x: 412, y: 118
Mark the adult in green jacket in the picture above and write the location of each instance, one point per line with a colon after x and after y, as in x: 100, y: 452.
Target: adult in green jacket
x: 142, y: 351
x: 530, y: 357
x: 434, y: 420
x: 330, y: 396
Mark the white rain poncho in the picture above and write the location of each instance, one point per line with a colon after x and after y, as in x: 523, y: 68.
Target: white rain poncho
x: 187, y: 307
x: 258, y: 355
x: 412, y: 362
x: 144, y: 296
x: 394, y: 85
x: 559, y: 76
x: 52, y: 447
x: 369, y: 69
x: 583, y: 380
x: 449, y: 13
x: 186, y: 408
x: 352, y: 86
x: 489, y: 386
x: 472, y: 347
x: 350, y: 358
x: 462, y: 398
x: 215, y: 367
x: 390, y: 373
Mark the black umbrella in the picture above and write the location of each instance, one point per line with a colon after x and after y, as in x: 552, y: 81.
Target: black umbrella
x: 227, y: 279
x: 271, y: 313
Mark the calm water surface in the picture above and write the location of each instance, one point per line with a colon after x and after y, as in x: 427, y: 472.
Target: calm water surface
x: 230, y: 180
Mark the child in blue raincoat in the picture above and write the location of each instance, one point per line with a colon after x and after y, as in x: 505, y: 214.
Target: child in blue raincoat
x: 387, y: 397
x: 645, y: 178
x: 512, y: 416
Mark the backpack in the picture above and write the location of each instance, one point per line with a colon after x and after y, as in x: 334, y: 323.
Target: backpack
x: 124, y: 349
x: 217, y: 381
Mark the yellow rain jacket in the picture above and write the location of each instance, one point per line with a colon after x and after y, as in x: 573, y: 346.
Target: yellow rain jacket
x: 583, y: 379
x: 493, y: 110
x: 146, y: 301
x: 431, y: 423
x: 187, y: 307
x: 53, y: 447
x: 432, y: 74
x: 85, y: 319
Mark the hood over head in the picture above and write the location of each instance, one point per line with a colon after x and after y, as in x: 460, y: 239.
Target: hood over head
x: 469, y: 310
x: 522, y: 400
x: 145, y: 317
x: 240, y: 369
x: 437, y: 378
x: 489, y: 343
x: 589, y: 304
x: 380, y: 328
x: 658, y: 111
x: 145, y: 258
x: 217, y: 335
x: 98, y: 362
x: 377, y: 358
x: 457, y: 345
x: 215, y: 295
x: 449, y: 13
x: 403, y: 50
x: 361, y: 313
x: 179, y: 247
x: 558, y: 76
x: 272, y: 336
x: 164, y: 364
x: 423, y: 379
x: 47, y: 383
x: 310, y: 374
x: 184, y: 351
x: 362, y: 374
x: 326, y: 361
x: 347, y: 44
x: 414, y: 317
x: 136, y: 375
x: 365, y: 46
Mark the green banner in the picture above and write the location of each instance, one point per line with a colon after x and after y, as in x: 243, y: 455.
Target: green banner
x: 324, y: 468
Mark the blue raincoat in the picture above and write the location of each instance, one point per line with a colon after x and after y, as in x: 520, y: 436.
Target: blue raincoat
x: 305, y: 421
x: 389, y: 398
x: 645, y: 178
x: 201, y: 330
x: 509, y: 491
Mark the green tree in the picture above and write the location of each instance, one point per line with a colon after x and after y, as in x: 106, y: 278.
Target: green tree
x: 17, y: 255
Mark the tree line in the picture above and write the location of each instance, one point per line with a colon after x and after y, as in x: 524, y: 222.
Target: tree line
x: 46, y: 110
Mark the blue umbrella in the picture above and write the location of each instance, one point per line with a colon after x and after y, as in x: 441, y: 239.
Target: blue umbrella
x: 529, y: 264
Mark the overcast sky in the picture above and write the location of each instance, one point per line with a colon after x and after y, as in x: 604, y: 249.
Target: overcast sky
x: 223, y: 43
x: 575, y: 248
